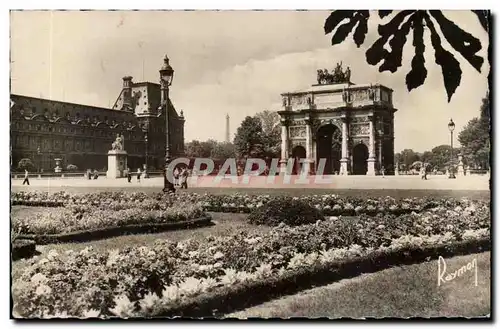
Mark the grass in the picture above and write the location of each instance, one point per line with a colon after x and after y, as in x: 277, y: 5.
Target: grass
x: 407, y: 291
x: 362, y: 193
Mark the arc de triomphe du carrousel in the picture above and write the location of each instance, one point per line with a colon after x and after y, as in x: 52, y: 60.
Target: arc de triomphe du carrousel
x: 350, y: 126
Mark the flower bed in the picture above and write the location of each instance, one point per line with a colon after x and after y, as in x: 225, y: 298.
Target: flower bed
x: 171, y: 277
x: 329, y: 204
x: 75, y: 218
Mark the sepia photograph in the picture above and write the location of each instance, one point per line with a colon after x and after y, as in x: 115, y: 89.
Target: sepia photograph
x: 250, y: 164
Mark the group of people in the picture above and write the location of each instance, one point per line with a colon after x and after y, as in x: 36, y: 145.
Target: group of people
x: 128, y: 173
x: 180, y: 177
x: 91, y: 174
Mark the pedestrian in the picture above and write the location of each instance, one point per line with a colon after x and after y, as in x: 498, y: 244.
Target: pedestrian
x: 129, y: 175
x: 139, y: 175
x: 89, y: 174
x: 176, y: 177
x: 26, y: 177
x: 184, y: 176
x: 96, y: 174
x: 383, y: 171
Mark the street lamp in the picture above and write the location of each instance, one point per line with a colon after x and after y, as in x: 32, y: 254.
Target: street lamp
x: 147, y: 155
x: 451, y: 127
x: 38, y: 152
x: 166, y: 78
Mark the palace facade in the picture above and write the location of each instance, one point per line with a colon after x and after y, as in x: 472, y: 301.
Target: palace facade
x: 349, y: 126
x: 44, y: 130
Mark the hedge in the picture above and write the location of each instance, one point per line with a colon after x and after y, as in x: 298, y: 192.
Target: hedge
x: 104, y: 233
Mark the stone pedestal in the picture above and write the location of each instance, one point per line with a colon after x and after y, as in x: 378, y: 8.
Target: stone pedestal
x: 117, y: 163
x: 371, y: 167
x: 344, y: 167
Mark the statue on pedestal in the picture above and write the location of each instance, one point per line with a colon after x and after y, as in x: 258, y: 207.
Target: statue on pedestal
x: 118, y: 144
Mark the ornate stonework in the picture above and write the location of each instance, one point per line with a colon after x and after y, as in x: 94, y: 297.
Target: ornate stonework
x: 360, y: 129
x: 297, y: 132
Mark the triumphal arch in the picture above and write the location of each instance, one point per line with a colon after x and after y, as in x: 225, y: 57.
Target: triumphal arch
x: 350, y: 126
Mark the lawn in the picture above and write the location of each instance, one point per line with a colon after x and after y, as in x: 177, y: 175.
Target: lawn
x: 407, y: 291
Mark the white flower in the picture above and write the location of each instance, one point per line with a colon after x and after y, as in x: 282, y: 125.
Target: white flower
x: 39, y: 278
x: 43, y: 261
x: 170, y: 294
x: 297, y: 261
x: 123, y: 307
x: 149, y: 301
x: 264, y: 270
x: 190, y: 286
x: 92, y: 313
x: 52, y: 254
x: 218, y: 255
x: 43, y: 289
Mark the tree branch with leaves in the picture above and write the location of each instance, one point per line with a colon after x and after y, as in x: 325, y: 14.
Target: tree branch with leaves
x: 395, y: 32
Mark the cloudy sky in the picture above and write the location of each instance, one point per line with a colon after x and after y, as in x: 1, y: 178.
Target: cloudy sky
x: 226, y: 62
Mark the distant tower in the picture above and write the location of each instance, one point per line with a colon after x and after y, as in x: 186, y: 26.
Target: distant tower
x: 227, y: 128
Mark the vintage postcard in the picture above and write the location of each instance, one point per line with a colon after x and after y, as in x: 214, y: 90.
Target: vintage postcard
x: 250, y: 164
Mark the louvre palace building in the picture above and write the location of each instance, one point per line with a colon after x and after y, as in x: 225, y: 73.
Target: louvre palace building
x: 43, y: 130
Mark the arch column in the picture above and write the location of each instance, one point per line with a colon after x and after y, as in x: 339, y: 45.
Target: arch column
x: 344, y: 162
x: 371, y: 149
x: 284, y: 146
x: 309, y: 161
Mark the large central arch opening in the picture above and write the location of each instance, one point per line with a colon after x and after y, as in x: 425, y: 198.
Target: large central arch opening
x: 359, y: 157
x: 298, y: 154
x: 328, y: 147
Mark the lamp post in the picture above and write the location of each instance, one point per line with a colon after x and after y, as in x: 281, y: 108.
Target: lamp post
x: 451, y: 127
x: 147, y: 155
x: 38, y: 152
x: 166, y: 78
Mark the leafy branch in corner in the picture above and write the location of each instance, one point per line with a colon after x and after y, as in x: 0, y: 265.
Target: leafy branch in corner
x: 395, y: 33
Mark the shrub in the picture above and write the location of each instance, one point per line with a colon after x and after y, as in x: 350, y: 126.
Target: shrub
x: 71, y: 168
x: 289, y: 211
x: 25, y: 164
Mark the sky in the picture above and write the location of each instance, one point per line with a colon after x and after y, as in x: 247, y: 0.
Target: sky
x: 235, y: 62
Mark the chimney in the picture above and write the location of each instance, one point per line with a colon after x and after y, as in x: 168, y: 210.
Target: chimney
x: 127, y: 93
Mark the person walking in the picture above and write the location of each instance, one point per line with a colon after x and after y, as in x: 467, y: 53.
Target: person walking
x: 184, y: 176
x: 129, y: 175
x: 176, y: 177
x: 383, y: 171
x: 139, y: 175
x: 26, y: 177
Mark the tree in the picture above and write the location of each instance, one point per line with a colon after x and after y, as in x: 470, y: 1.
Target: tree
x: 197, y: 149
x: 394, y: 34
x: 25, y: 164
x: 441, y: 157
x: 475, y: 138
x: 271, y: 133
x: 224, y: 150
x: 407, y: 157
x: 249, y: 138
